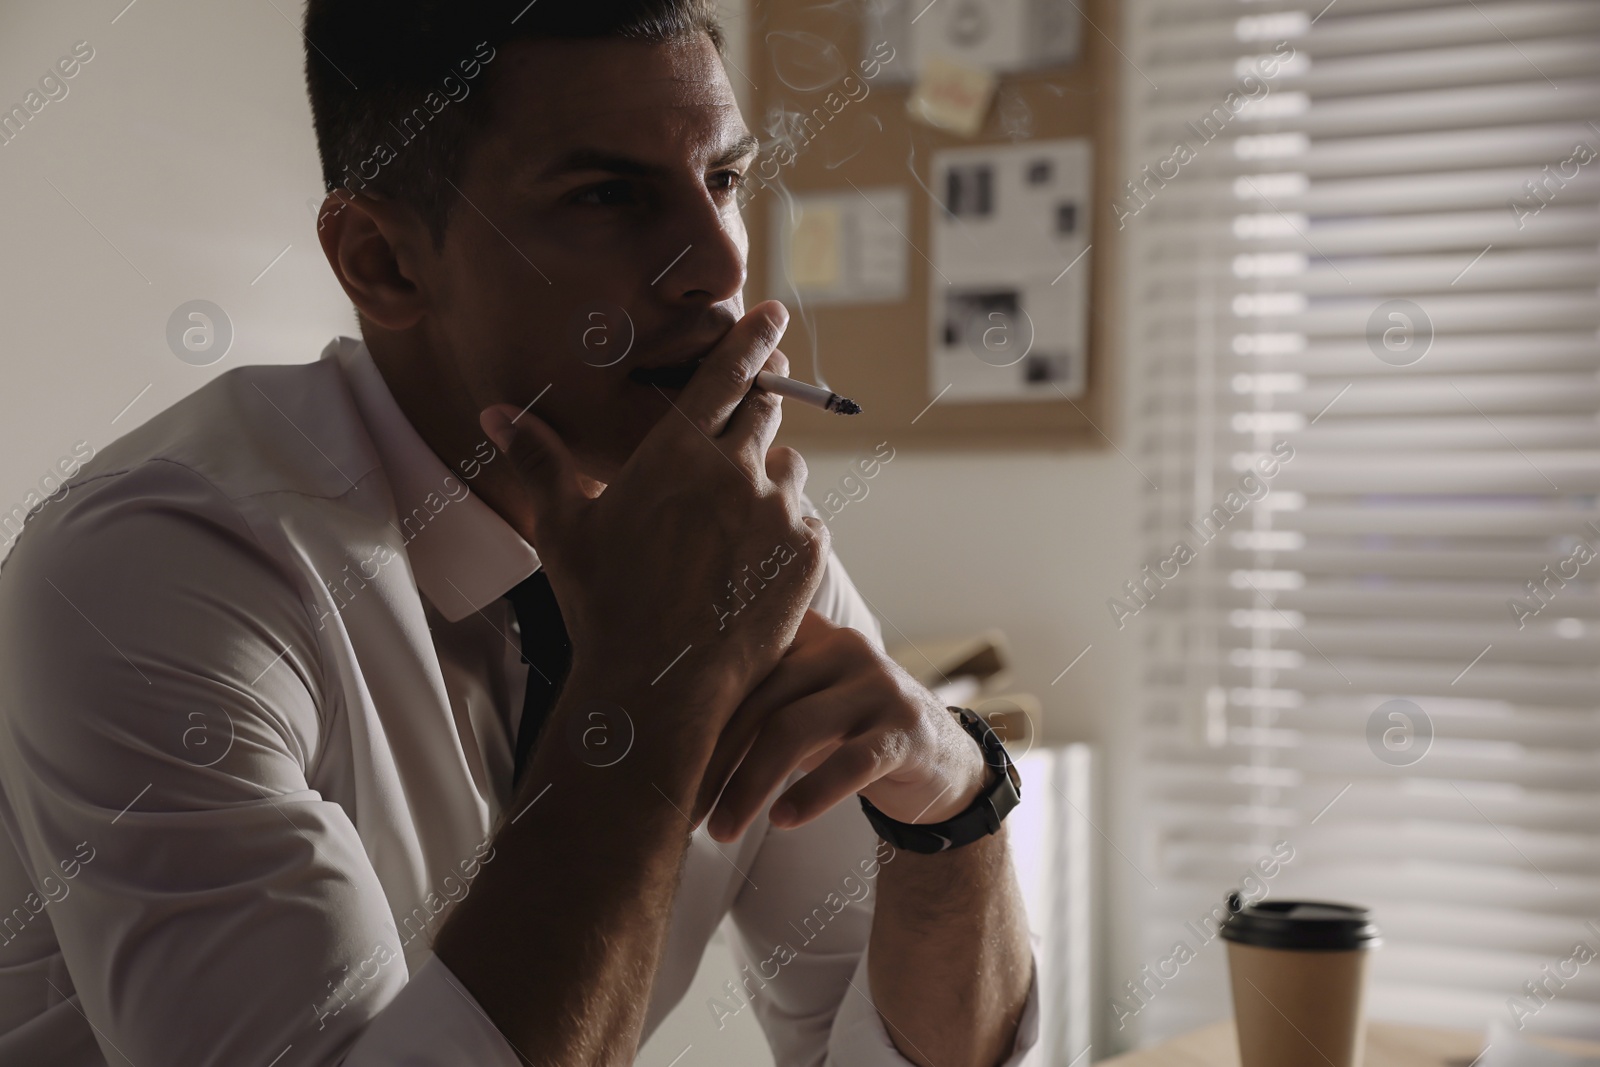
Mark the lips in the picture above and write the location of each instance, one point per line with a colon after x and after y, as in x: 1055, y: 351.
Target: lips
x: 670, y: 363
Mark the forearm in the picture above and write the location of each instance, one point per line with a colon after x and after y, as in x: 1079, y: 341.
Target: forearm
x: 560, y: 938
x: 949, y: 959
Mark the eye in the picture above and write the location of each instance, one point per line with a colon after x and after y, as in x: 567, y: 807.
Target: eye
x: 725, y: 180
x: 607, y: 194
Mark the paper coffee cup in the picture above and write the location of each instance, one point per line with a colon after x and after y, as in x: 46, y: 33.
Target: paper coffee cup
x: 1298, y: 971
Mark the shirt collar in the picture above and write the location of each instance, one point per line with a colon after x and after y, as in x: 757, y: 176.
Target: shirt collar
x: 464, y: 555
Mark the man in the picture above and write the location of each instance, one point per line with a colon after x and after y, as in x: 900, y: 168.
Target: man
x: 275, y: 664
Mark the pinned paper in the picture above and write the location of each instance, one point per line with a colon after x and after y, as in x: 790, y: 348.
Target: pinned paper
x: 843, y: 248
x: 814, y: 259
x: 953, y: 96
x: 1008, y: 299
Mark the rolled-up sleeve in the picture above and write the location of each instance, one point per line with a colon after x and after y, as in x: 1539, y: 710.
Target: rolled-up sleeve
x: 431, y: 1022
x: 160, y: 705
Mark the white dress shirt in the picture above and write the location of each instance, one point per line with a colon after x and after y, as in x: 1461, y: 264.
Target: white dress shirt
x: 258, y: 694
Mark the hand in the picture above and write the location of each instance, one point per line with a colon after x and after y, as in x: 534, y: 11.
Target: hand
x: 856, y: 722
x: 641, y: 569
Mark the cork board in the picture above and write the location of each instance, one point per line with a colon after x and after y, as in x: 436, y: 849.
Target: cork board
x: 878, y: 353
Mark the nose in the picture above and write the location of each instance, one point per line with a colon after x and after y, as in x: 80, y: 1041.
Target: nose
x: 709, y: 255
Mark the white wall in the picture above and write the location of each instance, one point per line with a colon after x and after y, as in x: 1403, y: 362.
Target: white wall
x: 1031, y: 543
x: 181, y: 161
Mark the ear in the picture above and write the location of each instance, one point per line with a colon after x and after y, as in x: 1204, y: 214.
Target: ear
x: 376, y: 249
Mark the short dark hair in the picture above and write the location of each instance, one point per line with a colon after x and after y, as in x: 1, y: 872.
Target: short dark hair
x: 399, y: 87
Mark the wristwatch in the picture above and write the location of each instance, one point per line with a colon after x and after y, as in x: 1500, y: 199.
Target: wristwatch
x: 982, y: 816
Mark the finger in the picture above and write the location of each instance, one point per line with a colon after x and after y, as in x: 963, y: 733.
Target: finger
x: 805, y: 668
x: 543, y: 462
x: 730, y: 749
x: 755, y: 421
x: 851, y: 769
x: 733, y: 815
x: 821, y: 541
x: 725, y: 376
x: 787, y: 470
x: 814, y: 626
x: 785, y: 683
x: 808, y: 728
x: 811, y: 556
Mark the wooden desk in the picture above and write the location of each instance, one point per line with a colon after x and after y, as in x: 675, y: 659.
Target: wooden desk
x: 1388, y: 1045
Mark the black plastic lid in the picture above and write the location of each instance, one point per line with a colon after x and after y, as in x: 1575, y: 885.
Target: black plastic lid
x: 1300, y: 924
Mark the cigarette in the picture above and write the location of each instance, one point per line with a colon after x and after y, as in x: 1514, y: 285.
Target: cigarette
x: 816, y: 396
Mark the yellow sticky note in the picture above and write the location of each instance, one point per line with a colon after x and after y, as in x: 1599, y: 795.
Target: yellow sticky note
x: 814, y: 261
x: 952, y: 96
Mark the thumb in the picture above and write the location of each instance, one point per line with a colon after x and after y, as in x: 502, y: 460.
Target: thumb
x: 544, y: 464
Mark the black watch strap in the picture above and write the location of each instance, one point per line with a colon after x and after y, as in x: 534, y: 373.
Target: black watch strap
x: 981, y: 818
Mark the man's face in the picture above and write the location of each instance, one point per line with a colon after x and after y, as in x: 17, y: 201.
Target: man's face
x: 607, y: 178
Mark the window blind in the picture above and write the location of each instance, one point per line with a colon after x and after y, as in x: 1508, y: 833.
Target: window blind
x: 1363, y: 257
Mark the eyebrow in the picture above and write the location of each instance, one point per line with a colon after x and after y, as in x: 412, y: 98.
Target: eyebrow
x: 581, y: 159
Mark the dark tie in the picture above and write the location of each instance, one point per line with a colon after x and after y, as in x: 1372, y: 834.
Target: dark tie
x: 548, y: 653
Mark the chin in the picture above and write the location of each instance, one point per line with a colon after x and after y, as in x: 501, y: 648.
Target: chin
x: 605, y: 449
